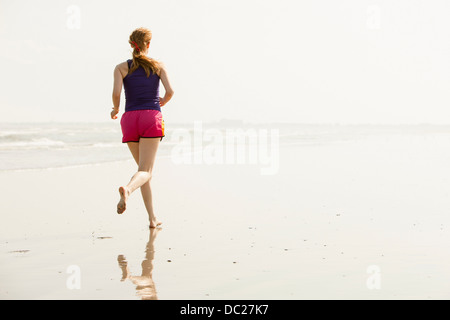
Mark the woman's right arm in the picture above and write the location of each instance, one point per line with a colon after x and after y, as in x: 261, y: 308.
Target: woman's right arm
x: 117, y: 89
x: 166, y: 83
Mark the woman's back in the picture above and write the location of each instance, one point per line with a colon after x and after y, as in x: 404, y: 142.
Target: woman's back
x: 141, y: 92
x: 143, y: 127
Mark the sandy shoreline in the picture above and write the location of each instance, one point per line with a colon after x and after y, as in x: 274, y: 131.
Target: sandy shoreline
x: 310, y: 231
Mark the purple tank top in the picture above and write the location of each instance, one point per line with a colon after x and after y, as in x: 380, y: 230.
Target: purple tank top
x: 141, y: 93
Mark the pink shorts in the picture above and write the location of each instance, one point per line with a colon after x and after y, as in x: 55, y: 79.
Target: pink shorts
x: 138, y: 124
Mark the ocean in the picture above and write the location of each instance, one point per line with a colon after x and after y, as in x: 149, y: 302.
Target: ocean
x: 53, y: 145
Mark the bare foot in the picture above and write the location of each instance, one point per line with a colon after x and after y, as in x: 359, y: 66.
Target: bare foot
x: 155, y: 223
x: 122, y: 205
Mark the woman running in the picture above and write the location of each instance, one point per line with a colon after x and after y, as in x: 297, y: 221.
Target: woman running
x: 142, y: 122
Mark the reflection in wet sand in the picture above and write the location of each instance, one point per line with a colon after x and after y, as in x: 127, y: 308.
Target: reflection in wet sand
x: 145, y: 287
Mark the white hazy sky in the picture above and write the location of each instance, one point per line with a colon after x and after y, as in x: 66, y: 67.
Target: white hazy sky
x: 338, y: 61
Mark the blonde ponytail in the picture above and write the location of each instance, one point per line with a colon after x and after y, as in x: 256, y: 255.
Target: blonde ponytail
x: 139, y: 39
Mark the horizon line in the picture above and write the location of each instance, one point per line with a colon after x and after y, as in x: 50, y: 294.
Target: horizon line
x: 243, y: 122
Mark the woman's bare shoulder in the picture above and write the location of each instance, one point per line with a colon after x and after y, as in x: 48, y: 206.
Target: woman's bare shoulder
x: 122, y: 67
x: 162, y: 67
x: 161, y: 64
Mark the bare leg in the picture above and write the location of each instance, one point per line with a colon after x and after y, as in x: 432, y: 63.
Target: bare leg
x: 122, y: 205
x: 144, y: 154
x: 147, y: 197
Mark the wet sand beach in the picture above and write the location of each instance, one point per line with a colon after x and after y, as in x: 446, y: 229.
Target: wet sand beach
x: 363, y: 218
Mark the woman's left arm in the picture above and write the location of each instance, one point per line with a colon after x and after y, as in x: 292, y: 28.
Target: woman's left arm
x: 117, y: 89
x: 167, y: 86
